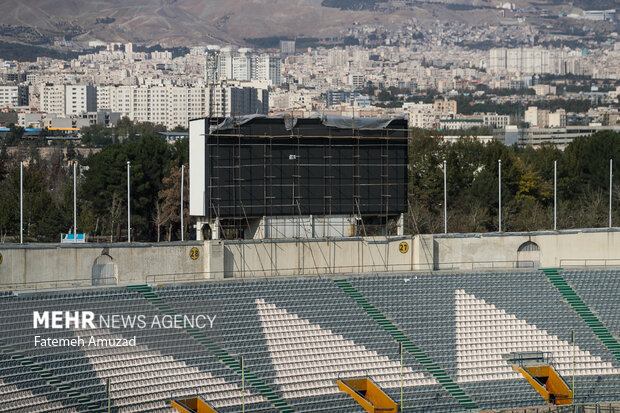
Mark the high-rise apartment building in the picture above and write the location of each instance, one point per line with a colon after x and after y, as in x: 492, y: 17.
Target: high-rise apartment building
x: 80, y: 98
x: 13, y: 95
x: 528, y: 61
x: 222, y: 64
x: 242, y: 68
x: 287, y: 47
x: 211, y: 66
x: 176, y: 105
x: 68, y: 99
x: 537, y: 117
x: 445, y: 106
x: 53, y: 98
x: 268, y: 68
x: 225, y: 64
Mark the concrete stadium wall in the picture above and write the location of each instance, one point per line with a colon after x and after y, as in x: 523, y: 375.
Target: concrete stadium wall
x: 579, y: 247
x: 321, y: 256
x: 55, y: 265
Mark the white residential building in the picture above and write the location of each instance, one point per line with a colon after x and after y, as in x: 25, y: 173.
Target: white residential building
x: 68, y: 99
x: 268, y: 68
x: 80, y: 98
x: 356, y: 80
x: 460, y: 124
x: 53, y: 98
x: 422, y: 115
x: 175, y: 105
x: 12, y: 95
x: 527, y: 61
x: 542, y: 118
x: 557, y: 119
x: 225, y: 64
x: 496, y: 121
x: 242, y: 68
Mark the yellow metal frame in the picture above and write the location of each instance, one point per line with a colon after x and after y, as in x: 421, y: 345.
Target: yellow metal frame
x: 193, y: 405
x: 554, y: 391
x: 368, y: 395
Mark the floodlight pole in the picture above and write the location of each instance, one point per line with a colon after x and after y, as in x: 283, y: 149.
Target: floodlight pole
x: 573, y: 337
x: 75, y: 202
x: 242, y: 385
x: 109, y: 392
x: 128, y: 203
x: 445, y: 200
x: 611, y: 175
x: 499, y: 162
x: 401, y: 375
x: 21, y: 203
x: 182, y: 179
x: 555, y: 195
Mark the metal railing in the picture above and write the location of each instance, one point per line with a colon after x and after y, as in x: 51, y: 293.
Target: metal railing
x: 522, y: 358
x: 240, y: 273
x: 52, y: 284
x: 573, y: 408
x: 481, y: 265
x: 590, y: 262
x: 308, y: 271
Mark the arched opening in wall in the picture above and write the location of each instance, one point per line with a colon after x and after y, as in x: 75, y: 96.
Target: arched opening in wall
x: 104, y: 271
x: 206, y: 232
x: 528, y: 255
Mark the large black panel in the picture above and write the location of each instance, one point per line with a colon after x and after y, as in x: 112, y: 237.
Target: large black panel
x: 261, y: 169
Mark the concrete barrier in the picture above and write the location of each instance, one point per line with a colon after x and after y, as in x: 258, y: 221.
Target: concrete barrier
x: 58, y: 265
x: 64, y: 265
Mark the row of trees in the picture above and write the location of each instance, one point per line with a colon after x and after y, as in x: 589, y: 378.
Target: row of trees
x: 472, y: 187
x: 527, y: 184
x: 102, y: 190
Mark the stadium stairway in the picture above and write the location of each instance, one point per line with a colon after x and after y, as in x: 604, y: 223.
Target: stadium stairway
x: 397, y: 334
x: 223, y: 356
x: 580, y: 307
x: 61, y: 386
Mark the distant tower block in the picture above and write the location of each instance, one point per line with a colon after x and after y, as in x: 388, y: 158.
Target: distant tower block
x: 211, y: 67
x: 287, y: 47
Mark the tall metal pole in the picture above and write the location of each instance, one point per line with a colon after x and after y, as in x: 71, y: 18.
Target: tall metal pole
x: 573, y: 336
x: 611, y: 176
x: 242, y: 386
x: 555, y: 195
x: 21, y: 203
x: 128, y: 203
x: 182, y: 183
x: 499, y: 162
x: 445, y: 200
x: 74, y: 202
x: 109, y: 391
x: 401, y: 373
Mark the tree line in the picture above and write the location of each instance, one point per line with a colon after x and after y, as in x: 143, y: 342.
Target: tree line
x: 527, y: 184
x: 101, y: 188
x: 472, y: 186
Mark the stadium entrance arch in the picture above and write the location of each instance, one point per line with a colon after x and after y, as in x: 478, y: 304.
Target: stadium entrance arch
x: 104, y: 271
x: 528, y: 255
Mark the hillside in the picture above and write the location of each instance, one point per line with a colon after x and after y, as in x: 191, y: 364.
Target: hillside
x: 183, y: 22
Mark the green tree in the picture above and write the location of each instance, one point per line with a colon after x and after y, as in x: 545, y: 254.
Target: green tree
x: 105, y: 185
x: 14, y: 136
x: 97, y: 135
x: 42, y: 218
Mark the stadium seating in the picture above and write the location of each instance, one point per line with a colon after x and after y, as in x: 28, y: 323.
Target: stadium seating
x: 298, y: 336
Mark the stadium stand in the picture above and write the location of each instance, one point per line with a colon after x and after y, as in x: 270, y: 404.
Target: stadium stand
x: 297, y: 337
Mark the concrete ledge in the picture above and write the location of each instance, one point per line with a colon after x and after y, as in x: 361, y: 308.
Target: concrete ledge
x: 72, y: 265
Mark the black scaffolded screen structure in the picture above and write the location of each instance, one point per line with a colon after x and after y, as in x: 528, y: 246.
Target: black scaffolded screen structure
x: 264, y: 166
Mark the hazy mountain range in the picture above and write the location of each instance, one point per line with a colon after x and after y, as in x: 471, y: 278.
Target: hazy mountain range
x: 185, y: 22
